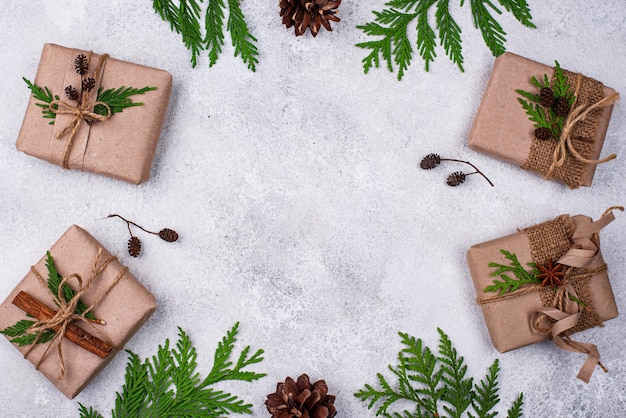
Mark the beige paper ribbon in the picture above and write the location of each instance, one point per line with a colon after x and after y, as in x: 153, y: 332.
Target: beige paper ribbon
x: 566, y: 312
x: 66, y: 313
x: 81, y: 111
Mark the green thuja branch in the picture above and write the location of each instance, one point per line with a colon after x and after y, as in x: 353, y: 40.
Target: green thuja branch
x: 168, y: 385
x: 184, y: 17
x: 44, y: 95
x: 509, y: 284
x: 391, y: 30
x: 542, y: 116
x: 436, y: 385
x: 117, y: 99
x: 20, y: 332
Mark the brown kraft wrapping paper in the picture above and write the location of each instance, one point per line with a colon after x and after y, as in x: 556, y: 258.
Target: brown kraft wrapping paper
x: 125, y: 308
x: 501, y: 127
x: 568, y: 240
x: 121, y: 147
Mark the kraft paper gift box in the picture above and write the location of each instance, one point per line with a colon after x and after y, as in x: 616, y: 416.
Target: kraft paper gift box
x: 122, y: 146
x: 532, y: 312
x: 502, y: 128
x: 121, y: 301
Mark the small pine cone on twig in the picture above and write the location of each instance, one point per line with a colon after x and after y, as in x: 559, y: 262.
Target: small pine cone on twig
x: 81, y: 64
x: 301, y: 399
x: 134, y: 246
x: 561, y: 106
x: 71, y: 93
x: 430, y: 161
x: 456, y: 178
x: 313, y: 14
x: 89, y: 84
x: 543, y: 134
x: 547, y: 97
x: 168, y: 235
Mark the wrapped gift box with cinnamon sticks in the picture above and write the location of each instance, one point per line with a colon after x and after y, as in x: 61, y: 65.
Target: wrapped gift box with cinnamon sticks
x: 95, y: 113
x: 75, y: 309
x: 546, y: 281
x: 544, y: 119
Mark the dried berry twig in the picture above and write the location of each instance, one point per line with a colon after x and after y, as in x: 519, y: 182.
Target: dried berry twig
x: 458, y: 177
x: 134, y: 243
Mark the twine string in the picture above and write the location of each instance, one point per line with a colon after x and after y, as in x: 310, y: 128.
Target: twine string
x: 66, y: 314
x: 578, y: 113
x: 83, y: 110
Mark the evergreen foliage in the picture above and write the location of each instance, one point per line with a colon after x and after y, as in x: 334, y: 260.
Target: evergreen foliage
x: 509, y: 284
x: 435, y: 384
x: 167, y: 385
x: 184, y: 17
x: 390, y: 27
x: 117, y: 99
x: 546, y: 117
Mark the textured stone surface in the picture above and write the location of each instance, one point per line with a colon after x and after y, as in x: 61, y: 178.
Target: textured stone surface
x: 299, y: 201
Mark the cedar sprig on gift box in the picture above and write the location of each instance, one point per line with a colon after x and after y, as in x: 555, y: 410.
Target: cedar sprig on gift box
x: 455, y: 179
x: 391, y: 26
x: 20, y: 332
x: 509, y: 284
x: 134, y: 243
x: 548, y: 109
x: 185, y: 19
x: 436, y: 384
x: 168, y: 384
x: 549, y: 275
x: 113, y: 100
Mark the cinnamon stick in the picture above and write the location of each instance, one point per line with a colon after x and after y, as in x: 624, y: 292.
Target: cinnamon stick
x: 73, y: 332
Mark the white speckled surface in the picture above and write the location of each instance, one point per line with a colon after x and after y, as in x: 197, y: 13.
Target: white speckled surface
x: 301, y: 209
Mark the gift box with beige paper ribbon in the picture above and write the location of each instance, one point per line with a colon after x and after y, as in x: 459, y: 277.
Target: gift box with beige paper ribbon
x: 547, y: 281
x: 503, y: 129
x: 74, y: 127
x: 74, y: 343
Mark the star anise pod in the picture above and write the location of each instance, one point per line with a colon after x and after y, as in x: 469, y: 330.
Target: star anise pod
x: 551, y: 274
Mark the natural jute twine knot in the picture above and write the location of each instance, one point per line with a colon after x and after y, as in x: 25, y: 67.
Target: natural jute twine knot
x: 578, y: 113
x: 66, y: 313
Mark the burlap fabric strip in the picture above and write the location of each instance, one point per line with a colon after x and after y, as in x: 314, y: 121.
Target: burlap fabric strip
x: 568, y: 158
x: 80, y: 111
x: 66, y: 313
x: 568, y: 308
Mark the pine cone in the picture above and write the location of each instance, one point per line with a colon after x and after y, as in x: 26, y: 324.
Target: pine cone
x: 134, y: 246
x: 71, y: 93
x: 301, y: 399
x: 547, y: 97
x: 313, y: 14
x: 168, y: 235
x: 81, y: 64
x: 561, y: 106
x: 430, y: 161
x: 456, y: 178
x: 543, y: 134
x: 89, y: 84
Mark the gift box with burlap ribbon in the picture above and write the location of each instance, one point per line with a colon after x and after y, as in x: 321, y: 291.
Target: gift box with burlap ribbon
x: 547, y: 281
x: 502, y: 128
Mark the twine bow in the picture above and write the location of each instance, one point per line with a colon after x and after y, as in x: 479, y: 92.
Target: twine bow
x: 83, y: 110
x: 578, y: 113
x: 67, y: 309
